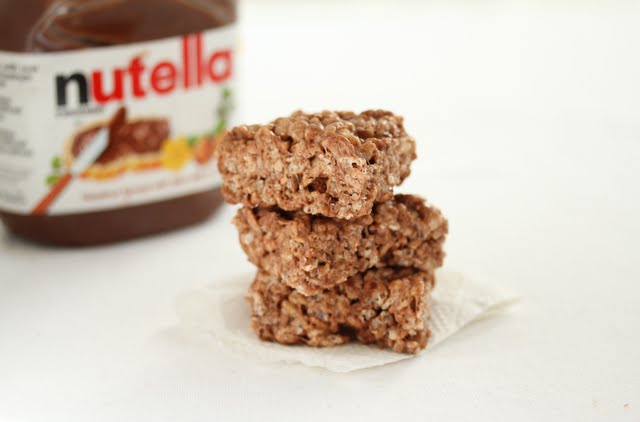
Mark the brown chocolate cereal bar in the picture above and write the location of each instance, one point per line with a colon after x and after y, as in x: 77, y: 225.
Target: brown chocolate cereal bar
x: 336, y: 164
x: 312, y: 253
x: 388, y: 307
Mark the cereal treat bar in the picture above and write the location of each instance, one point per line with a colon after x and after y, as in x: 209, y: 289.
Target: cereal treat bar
x: 336, y: 164
x: 388, y: 307
x: 312, y: 253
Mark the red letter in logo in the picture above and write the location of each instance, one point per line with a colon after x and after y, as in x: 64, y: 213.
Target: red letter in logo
x: 163, y: 77
x: 135, y: 69
x: 98, y: 89
x: 219, y: 66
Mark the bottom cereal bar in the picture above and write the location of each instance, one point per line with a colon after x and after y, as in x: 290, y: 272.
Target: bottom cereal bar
x: 386, y: 306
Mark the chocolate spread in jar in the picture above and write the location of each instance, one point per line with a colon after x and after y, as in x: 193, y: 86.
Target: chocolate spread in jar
x: 136, y: 143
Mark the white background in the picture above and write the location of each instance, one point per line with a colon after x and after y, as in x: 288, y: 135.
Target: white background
x: 527, y: 117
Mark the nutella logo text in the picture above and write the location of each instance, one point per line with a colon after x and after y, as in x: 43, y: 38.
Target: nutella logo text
x: 137, y: 79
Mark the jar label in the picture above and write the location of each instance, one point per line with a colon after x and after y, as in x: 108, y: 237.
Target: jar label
x: 113, y: 127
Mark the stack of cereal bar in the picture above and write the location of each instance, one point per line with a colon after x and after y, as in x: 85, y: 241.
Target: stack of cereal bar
x: 339, y: 256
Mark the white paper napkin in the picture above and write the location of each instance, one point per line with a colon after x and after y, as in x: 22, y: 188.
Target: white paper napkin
x: 221, y: 311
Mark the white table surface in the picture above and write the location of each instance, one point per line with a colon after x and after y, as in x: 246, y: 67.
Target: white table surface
x: 528, y: 126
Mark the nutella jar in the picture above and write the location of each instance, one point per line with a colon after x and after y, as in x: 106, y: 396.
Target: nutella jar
x: 109, y: 115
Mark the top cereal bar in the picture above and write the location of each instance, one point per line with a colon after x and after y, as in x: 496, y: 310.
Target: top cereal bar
x: 337, y: 164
